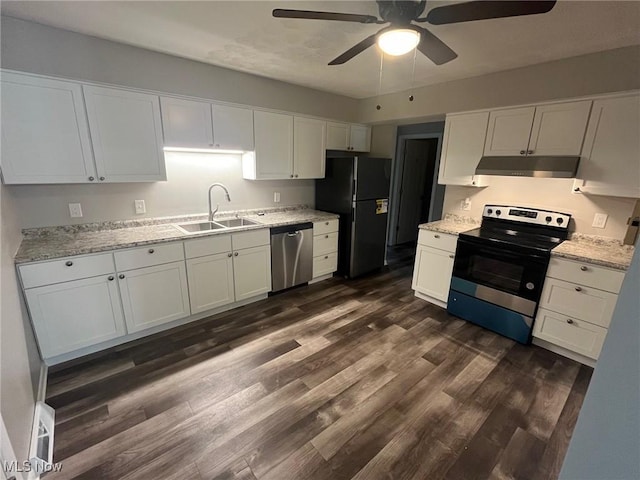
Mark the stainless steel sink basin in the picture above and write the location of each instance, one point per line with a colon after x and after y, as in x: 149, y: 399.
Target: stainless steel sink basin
x: 199, y: 227
x: 236, y: 222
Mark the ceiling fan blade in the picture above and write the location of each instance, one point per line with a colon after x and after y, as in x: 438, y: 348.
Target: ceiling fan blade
x: 355, y: 50
x: 311, y: 15
x: 434, y: 48
x: 483, y: 10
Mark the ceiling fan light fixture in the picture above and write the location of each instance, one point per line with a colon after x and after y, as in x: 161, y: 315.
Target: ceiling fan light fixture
x: 398, y: 41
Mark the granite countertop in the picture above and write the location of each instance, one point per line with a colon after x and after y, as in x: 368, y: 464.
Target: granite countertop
x: 603, y: 251
x: 56, y: 242
x: 451, y: 224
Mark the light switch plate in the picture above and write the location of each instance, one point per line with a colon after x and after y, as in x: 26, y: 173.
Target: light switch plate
x: 599, y: 220
x: 75, y: 210
x: 140, y: 206
x: 465, y: 204
x: 276, y: 197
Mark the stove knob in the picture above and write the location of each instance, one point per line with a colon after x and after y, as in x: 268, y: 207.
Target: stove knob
x: 490, y: 211
x: 559, y: 220
x: 498, y: 212
x: 548, y: 219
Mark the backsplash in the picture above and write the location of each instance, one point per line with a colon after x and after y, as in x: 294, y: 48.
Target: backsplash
x: 545, y: 193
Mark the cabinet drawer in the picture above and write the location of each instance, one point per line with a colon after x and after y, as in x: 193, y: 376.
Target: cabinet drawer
x: 586, y: 274
x: 573, y: 334
x: 578, y: 301
x: 327, y: 226
x: 253, y: 238
x: 65, y: 270
x: 148, y: 256
x: 212, y: 245
x: 325, y: 264
x: 323, y: 244
x: 442, y: 241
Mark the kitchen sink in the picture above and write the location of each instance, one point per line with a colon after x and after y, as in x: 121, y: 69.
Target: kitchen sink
x: 200, y: 227
x: 236, y: 222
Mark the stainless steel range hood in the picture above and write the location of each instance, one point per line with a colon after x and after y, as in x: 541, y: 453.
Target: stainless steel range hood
x: 542, y: 167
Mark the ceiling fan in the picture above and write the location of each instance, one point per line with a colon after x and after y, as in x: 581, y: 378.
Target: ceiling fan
x: 403, y: 35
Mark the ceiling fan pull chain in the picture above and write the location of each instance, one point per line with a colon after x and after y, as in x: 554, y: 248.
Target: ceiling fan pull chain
x: 413, y: 73
x: 378, y: 107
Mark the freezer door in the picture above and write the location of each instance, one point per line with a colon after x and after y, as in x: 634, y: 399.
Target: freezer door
x: 368, y: 238
x: 373, y: 176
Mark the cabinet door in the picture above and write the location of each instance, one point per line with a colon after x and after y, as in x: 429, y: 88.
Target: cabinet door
x: 274, y: 145
x: 45, y: 136
x: 432, y: 272
x: 232, y: 128
x: 508, y: 132
x: 154, y: 295
x: 210, y: 281
x: 559, y: 129
x: 126, y: 131
x: 360, y: 138
x: 337, y: 136
x: 72, y: 315
x: 186, y: 123
x: 309, y: 148
x: 611, y: 154
x: 462, y: 148
x: 252, y: 272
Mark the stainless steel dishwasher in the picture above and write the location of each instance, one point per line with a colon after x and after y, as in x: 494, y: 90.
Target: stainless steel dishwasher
x: 291, y: 255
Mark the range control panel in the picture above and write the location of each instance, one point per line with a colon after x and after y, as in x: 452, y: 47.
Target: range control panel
x: 527, y: 215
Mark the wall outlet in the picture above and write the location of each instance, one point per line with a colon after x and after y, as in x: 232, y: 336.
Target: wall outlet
x: 465, y: 204
x: 75, y: 210
x: 599, y: 220
x: 276, y: 197
x: 140, y: 206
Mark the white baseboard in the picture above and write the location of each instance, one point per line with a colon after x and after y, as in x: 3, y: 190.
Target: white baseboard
x: 431, y: 299
x: 564, y: 352
x: 320, y: 278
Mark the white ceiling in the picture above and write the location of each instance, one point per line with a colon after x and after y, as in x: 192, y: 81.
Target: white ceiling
x: 242, y: 35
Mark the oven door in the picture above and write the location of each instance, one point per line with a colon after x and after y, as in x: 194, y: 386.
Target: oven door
x: 498, y: 275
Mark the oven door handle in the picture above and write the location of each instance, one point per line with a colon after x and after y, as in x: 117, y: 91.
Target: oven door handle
x: 501, y: 253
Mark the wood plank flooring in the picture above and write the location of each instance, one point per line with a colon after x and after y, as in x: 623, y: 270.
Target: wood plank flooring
x: 339, y: 380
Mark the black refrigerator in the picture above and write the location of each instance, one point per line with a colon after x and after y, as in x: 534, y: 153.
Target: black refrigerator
x: 357, y: 188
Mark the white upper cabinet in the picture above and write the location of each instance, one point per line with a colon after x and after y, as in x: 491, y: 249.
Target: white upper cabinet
x: 554, y: 129
x: 309, y: 147
x: 186, y: 123
x: 126, y: 132
x: 610, y: 162
x: 462, y: 148
x: 344, y: 136
x: 232, y: 128
x: 45, y: 136
x: 273, y: 158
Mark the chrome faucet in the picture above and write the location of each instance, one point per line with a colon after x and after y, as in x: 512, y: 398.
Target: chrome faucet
x: 211, y: 211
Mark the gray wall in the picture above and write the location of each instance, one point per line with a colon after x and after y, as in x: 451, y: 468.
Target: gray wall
x: 608, y: 71
x: 19, y: 358
x: 606, y: 440
x: 35, y: 48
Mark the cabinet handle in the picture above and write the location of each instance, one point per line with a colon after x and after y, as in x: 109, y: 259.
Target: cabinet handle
x: 326, y: 257
x: 68, y: 263
x: 578, y: 289
x: 102, y: 179
x: 522, y: 152
x: 451, y: 256
x: 296, y: 175
x: 91, y: 179
x: 218, y: 145
x: 326, y: 223
x: 229, y: 254
x: 529, y: 152
x: 436, y: 236
x: 121, y: 276
x: 235, y: 254
x: 291, y: 176
x: 111, y: 277
x: 326, y: 236
x: 583, y: 268
x: 151, y: 250
x: 569, y: 321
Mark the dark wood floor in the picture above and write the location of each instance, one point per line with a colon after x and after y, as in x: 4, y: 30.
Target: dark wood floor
x: 338, y: 380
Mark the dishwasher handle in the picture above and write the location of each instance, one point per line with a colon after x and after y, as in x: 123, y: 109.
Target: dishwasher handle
x: 294, y: 234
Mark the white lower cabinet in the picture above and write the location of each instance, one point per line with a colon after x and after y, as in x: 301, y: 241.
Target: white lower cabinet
x: 210, y: 281
x: 325, y: 247
x: 154, y: 295
x: 576, y: 307
x: 71, y: 315
x: 252, y: 272
x: 434, y: 266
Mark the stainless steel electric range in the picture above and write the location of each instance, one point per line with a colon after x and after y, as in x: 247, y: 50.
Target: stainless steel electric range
x: 499, y: 268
